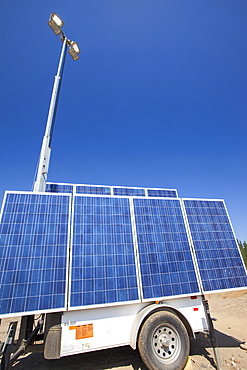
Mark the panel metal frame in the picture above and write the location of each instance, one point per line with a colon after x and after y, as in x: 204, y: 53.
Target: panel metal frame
x: 137, y: 259
x: 192, y: 248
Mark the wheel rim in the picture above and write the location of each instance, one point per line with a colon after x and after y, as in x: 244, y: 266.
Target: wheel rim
x: 166, y: 343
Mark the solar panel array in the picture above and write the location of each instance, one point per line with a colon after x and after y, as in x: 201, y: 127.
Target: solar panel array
x: 33, y: 252
x: 123, y: 249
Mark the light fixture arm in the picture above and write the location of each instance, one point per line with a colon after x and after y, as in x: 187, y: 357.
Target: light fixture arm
x: 44, y: 159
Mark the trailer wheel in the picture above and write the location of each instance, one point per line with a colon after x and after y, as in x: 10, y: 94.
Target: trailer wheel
x: 164, y: 342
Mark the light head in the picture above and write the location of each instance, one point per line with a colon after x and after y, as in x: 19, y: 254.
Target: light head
x: 55, y: 23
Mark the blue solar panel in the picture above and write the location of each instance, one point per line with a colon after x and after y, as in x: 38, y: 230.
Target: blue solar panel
x: 216, y: 249
x: 33, y: 252
x: 103, y: 259
x: 165, y: 258
x: 132, y: 192
x: 58, y: 188
x: 163, y: 193
x: 87, y: 189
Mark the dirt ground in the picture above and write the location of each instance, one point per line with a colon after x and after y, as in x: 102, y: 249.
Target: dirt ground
x: 230, y: 310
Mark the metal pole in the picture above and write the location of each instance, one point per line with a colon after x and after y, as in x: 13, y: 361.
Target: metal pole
x: 212, y: 335
x: 44, y: 159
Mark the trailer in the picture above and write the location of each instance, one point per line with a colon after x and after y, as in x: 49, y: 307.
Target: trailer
x: 90, y: 267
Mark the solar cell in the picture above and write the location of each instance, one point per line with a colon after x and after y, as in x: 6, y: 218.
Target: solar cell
x: 103, y: 267
x: 129, y: 192
x: 216, y: 249
x: 166, y: 263
x: 163, y: 193
x: 33, y: 252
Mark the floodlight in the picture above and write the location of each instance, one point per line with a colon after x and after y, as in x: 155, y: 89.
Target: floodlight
x: 56, y: 23
x: 75, y: 46
x: 73, y: 54
x: 57, y: 20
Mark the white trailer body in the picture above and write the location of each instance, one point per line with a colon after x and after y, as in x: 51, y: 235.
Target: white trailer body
x: 101, y: 328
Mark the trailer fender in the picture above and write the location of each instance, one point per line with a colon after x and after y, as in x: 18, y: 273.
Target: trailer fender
x: 149, y: 310
x: 52, y: 336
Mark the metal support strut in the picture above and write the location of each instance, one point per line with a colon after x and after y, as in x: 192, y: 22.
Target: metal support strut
x: 212, y: 335
x: 8, y: 346
x: 9, y: 352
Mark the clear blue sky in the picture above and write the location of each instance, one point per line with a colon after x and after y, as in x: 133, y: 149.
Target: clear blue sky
x: 158, y: 97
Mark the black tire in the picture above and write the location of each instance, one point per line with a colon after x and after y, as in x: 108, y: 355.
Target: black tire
x: 164, y: 342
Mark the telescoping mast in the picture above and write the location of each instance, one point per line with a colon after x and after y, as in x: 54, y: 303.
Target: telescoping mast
x: 56, y: 25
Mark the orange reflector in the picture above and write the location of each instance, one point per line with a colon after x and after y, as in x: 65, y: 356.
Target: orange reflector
x: 72, y: 327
